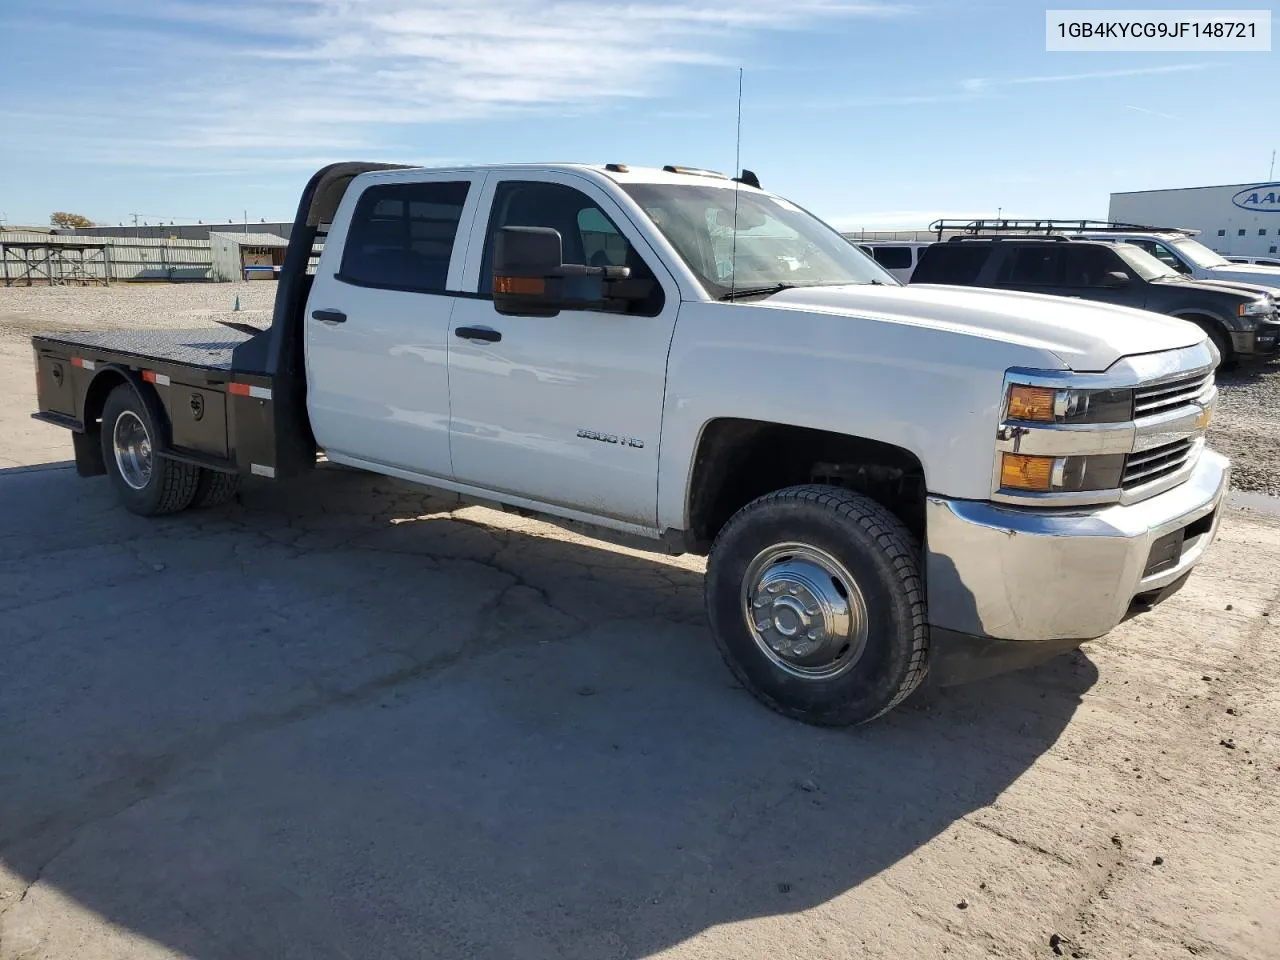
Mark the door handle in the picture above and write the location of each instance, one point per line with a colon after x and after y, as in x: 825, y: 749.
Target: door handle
x: 329, y: 316
x: 483, y: 334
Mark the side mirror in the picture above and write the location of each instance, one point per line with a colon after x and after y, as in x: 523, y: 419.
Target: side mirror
x: 527, y: 251
x: 531, y: 279
x: 1114, y: 280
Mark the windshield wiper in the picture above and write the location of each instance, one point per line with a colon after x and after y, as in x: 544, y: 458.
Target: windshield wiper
x: 758, y: 291
x: 779, y: 287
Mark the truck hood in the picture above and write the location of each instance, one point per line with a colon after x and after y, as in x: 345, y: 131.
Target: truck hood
x: 1245, y: 288
x: 1085, y: 336
x: 1256, y: 273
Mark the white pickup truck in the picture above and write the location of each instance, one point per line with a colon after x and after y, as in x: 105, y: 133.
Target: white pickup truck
x: 1180, y: 250
x: 888, y: 480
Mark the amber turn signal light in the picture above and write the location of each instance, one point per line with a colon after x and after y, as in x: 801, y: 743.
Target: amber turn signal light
x: 1021, y: 472
x: 520, y: 286
x: 1031, y: 403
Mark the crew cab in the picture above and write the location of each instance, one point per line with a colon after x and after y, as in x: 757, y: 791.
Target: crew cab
x: 1240, y: 319
x: 887, y: 480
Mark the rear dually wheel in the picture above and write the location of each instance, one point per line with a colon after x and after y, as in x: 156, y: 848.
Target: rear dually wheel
x: 146, y: 483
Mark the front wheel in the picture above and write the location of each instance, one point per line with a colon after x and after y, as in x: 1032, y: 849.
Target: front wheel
x: 817, y: 604
x: 145, y: 482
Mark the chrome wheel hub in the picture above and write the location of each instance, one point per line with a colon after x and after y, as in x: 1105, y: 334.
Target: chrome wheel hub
x: 804, y: 610
x: 132, y: 446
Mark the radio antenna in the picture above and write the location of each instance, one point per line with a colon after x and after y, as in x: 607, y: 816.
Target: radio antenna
x: 737, y: 166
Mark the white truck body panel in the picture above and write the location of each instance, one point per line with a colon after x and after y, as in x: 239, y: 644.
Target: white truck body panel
x: 861, y: 361
x: 567, y: 409
x: 598, y: 416
x: 378, y: 384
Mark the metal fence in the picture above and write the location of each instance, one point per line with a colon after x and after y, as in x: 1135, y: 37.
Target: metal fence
x: 28, y: 258
x: 40, y: 258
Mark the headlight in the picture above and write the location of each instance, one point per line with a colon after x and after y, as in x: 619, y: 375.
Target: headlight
x: 1257, y: 308
x: 1050, y: 405
x: 1060, y: 474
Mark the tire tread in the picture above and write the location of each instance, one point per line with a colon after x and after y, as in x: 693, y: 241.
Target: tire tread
x: 899, y: 548
x: 215, y: 488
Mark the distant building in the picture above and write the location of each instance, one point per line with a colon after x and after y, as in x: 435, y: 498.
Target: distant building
x: 179, y: 231
x: 1241, y: 219
x: 246, y: 256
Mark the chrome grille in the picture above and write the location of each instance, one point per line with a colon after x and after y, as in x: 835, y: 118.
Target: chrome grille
x: 1147, y: 466
x: 1148, y: 401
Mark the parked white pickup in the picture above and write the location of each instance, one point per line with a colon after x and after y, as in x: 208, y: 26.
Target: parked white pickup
x: 887, y: 479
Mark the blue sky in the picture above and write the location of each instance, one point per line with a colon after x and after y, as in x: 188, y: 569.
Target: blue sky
x: 869, y: 113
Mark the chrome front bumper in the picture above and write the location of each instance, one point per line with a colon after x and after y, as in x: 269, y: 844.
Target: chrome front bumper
x: 1016, y: 573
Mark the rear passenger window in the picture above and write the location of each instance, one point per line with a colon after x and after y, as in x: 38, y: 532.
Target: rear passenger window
x: 951, y: 263
x: 1037, y: 266
x: 401, y: 236
x: 892, y: 258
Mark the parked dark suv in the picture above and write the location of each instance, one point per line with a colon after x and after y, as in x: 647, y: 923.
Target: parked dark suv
x: 1240, y: 319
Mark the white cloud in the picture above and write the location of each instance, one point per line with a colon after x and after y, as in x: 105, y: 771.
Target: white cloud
x: 1154, y: 113
x: 266, y: 84
x: 982, y: 84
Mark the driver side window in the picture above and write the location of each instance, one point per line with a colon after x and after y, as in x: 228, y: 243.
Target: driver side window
x: 1172, y: 259
x: 587, y: 234
x: 1161, y: 253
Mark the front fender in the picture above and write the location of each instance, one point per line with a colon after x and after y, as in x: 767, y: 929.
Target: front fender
x: 934, y: 393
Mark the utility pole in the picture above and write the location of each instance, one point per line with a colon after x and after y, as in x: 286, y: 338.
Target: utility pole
x: 1272, y: 172
x: 135, y: 218
x: 246, y: 223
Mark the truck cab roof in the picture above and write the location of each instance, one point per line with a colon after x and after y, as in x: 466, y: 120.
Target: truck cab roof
x: 618, y: 172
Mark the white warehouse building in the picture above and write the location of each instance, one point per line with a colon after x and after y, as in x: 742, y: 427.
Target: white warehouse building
x: 1237, y: 219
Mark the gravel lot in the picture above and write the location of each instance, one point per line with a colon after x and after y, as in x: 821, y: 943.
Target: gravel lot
x: 1247, y: 427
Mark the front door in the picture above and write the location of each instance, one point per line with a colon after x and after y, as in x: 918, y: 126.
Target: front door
x: 377, y: 320
x: 1070, y: 269
x: 563, y: 410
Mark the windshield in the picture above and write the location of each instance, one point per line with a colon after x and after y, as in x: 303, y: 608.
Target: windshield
x: 776, y: 243
x: 1144, y: 264
x: 1198, y: 253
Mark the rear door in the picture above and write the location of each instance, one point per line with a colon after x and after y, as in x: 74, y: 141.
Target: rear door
x: 563, y: 410
x: 377, y: 319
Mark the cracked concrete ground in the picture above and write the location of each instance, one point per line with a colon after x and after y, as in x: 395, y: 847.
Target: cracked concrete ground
x: 351, y: 719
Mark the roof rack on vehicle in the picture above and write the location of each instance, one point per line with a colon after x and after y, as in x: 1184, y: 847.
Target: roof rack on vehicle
x: 1037, y: 237
x: 975, y: 227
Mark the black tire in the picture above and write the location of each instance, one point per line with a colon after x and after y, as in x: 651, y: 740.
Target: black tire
x: 170, y: 486
x: 214, y: 488
x: 884, y: 561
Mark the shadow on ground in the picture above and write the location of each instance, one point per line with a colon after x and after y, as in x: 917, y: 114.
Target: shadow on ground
x: 323, y: 723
